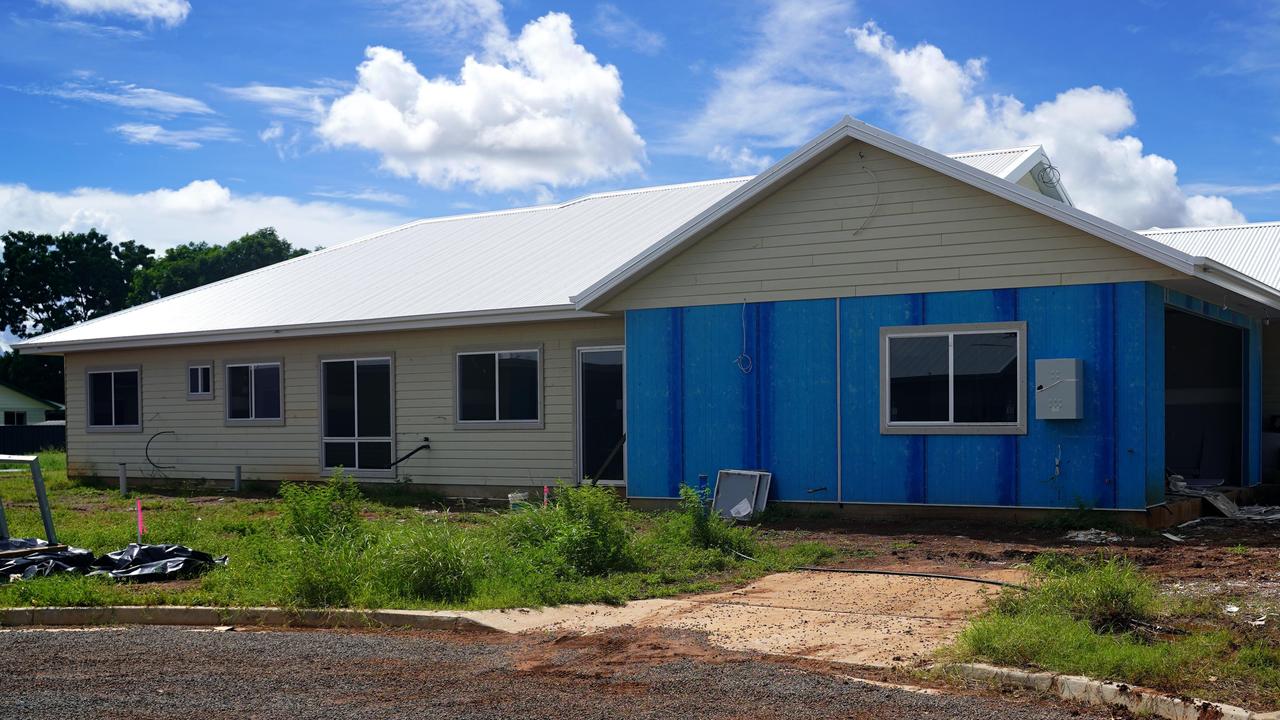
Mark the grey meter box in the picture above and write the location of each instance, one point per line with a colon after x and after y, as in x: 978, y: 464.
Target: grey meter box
x: 1059, y: 389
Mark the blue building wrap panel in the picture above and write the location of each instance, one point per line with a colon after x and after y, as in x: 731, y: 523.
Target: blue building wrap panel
x: 1139, y: 397
x: 653, y: 401
x: 971, y: 469
x: 691, y: 411
x: 797, y: 373
x: 720, y: 404
x: 874, y: 467
x: 1066, y: 463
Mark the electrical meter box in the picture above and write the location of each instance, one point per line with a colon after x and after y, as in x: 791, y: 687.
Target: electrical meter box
x: 1060, y: 389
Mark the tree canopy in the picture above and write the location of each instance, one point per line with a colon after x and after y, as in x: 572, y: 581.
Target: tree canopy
x: 48, y: 282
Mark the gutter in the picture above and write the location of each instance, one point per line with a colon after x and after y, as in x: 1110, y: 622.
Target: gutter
x: 1235, y: 281
x: 420, y: 322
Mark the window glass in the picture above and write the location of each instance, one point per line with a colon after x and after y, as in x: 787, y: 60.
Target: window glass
x: 374, y: 411
x: 193, y: 381
x: 15, y: 417
x: 518, y: 386
x: 340, y: 453
x: 476, y: 389
x: 986, y: 377
x: 374, y: 455
x: 126, y: 397
x: 266, y: 392
x: 206, y: 379
x: 100, y: 410
x: 199, y: 380
x: 339, y: 399
x: 239, y: 392
x: 918, y: 379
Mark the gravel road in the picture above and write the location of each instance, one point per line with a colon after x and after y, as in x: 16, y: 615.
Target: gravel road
x: 186, y: 673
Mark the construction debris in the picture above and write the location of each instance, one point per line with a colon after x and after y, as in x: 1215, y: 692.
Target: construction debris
x: 135, y: 562
x: 1093, y: 535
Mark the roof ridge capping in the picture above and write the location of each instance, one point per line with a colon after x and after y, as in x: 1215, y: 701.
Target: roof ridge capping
x: 1208, y: 228
x: 849, y: 128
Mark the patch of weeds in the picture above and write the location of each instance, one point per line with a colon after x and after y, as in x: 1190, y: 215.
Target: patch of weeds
x: 434, y: 562
x: 1238, y: 550
x: 904, y: 545
x: 584, y: 532
x: 317, y: 511
x: 697, y: 524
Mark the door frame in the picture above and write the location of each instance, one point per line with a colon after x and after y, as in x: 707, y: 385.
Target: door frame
x: 577, y: 410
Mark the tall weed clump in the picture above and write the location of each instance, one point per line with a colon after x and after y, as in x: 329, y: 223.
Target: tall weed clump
x: 702, y: 527
x: 435, y: 563
x: 584, y: 532
x: 326, y: 562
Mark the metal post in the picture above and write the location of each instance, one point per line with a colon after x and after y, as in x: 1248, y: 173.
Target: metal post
x: 43, y: 499
x: 124, y: 480
x: 235, y: 484
x: 4, y: 523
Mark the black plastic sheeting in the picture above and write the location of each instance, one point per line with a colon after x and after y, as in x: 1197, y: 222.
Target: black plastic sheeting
x: 135, y: 562
x: 155, y: 562
x: 22, y: 543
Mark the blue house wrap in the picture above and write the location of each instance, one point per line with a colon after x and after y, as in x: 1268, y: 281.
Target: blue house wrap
x: 793, y: 387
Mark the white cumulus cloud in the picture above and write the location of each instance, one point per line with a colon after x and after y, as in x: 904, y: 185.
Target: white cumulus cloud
x: 532, y: 111
x: 1086, y: 132
x: 203, y: 210
x: 166, y: 12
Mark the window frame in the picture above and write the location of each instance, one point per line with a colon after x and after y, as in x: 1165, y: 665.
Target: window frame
x: 498, y: 424
x: 207, y: 395
x: 89, y: 427
x: 15, y: 414
x: 578, y: 350
x: 358, y: 472
x: 950, y: 427
x: 226, y: 405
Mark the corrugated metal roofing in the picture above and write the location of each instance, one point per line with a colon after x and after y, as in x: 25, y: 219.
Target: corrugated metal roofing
x: 1252, y: 249
x: 997, y: 162
x: 512, y: 260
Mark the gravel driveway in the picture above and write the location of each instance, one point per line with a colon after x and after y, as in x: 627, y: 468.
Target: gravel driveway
x: 181, y: 673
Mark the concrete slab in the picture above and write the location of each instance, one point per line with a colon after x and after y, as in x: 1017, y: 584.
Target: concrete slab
x: 880, y: 620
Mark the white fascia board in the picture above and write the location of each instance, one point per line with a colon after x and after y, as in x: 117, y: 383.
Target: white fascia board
x: 857, y: 130
x: 426, y: 322
x: 1233, y: 280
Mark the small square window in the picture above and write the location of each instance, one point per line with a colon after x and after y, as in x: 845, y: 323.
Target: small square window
x: 15, y: 417
x: 200, y: 382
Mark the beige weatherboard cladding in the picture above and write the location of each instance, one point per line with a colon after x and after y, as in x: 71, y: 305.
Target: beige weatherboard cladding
x: 203, y: 446
x: 866, y: 222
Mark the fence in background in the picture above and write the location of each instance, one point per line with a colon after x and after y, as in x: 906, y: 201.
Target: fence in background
x: 28, y: 439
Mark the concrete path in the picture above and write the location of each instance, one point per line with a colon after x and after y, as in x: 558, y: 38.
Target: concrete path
x: 880, y: 620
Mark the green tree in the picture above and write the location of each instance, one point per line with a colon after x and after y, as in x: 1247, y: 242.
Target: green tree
x: 194, y: 264
x: 48, y: 282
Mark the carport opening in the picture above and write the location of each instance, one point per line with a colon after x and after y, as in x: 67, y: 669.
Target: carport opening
x: 1204, y: 399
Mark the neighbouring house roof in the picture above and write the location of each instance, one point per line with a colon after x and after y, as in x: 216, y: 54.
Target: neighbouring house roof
x: 1252, y: 249
x: 47, y: 403
x: 544, y: 262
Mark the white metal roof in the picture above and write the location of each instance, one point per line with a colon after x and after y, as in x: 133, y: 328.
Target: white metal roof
x: 1252, y: 249
x: 520, y: 264
x: 1002, y: 162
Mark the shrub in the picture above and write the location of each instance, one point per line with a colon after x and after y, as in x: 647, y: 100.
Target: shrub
x: 432, y: 562
x: 584, y: 532
x: 325, y: 574
x: 315, y: 512
x: 707, y: 529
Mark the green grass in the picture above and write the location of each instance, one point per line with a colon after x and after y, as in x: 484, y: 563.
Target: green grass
x: 327, y: 544
x: 1076, y: 618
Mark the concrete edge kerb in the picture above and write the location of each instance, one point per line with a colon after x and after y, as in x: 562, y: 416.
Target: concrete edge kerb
x: 1101, y: 692
x: 256, y: 616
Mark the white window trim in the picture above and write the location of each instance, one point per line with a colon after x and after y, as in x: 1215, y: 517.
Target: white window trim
x: 461, y: 424
x: 252, y: 365
x: 361, y: 472
x: 88, y: 401
x: 207, y: 395
x: 950, y: 427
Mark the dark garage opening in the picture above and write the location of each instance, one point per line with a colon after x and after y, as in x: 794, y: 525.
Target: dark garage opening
x: 1204, y: 399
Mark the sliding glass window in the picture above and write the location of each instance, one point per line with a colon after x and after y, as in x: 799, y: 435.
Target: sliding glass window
x: 359, y: 408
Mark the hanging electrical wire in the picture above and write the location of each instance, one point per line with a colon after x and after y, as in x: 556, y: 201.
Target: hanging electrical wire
x: 875, y: 205
x: 744, y: 361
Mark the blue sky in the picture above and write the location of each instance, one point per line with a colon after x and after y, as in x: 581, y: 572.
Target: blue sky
x: 173, y: 120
